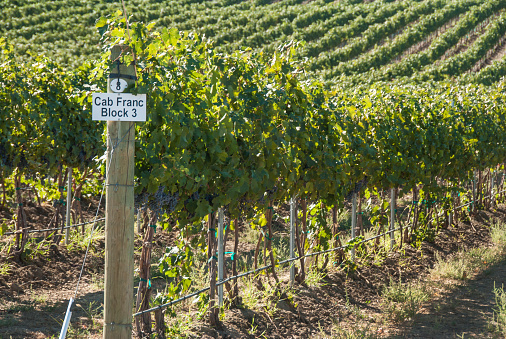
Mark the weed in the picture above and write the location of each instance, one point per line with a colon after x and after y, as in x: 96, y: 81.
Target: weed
x: 74, y: 331
x: 253, y: 329
x: 93, y: 312
x: 402, y: 301
x: 464, y: 263
x: 336, y: 331
x: 97, y: 281
x: 180, y: 326
x: 40, y: 298
x: 352, y: 308
x: 36, y: 249
x: 498, y: 322
x: 79, y: 241
x: 314, y: 277
x: 251, y: 235
x: 5, y: 268
x: 251, y: 294
x: 498, y: 235
x: 281, y: 248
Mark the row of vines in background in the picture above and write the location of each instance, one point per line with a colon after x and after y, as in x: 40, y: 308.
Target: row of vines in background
x: 374, y: 60
x: 44, y: 134
x: 364, y: 41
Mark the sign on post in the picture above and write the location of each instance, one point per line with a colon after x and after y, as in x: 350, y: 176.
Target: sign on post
x: 119, y: 107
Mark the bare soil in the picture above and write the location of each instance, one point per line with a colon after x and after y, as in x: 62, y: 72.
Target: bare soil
x: 34, y: 294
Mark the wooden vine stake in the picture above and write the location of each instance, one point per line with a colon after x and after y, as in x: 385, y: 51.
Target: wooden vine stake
x: 340, y: 255
x: 4, y: 195
x: 76, y: 201
x: 21, y: 225
x: 143, y: 322
x: 119, y: 217
x: 59, y: 223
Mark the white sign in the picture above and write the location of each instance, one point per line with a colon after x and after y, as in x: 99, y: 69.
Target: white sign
x: 118, y: 85
x: 119, y: 107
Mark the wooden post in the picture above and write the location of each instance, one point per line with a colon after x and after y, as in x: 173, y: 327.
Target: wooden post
x: 119, y: 218
x: 492, y: 196
x: 353, y: 223
x: 473, y: 204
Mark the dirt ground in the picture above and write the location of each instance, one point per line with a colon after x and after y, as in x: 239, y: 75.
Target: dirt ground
x: 34, y: 295
x: 464, y: 312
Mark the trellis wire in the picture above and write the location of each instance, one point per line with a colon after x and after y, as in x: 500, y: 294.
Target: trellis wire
x: 291, y: 260
x: 56, y: 229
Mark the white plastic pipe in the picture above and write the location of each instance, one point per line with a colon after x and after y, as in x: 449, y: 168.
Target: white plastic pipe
x: 66, y: 321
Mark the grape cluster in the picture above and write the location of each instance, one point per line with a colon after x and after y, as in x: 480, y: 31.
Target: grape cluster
x: 23, y: 162
x: 358, y: 187
x: 5, y: 159
x: 160, y: 202
x: 268, y: 195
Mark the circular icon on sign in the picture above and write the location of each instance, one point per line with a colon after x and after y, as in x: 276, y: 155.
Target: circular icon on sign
x: 118, y: 85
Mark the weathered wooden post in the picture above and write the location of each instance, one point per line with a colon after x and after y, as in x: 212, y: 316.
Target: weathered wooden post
x: 121, y: 110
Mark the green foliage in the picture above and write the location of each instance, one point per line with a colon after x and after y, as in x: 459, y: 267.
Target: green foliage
x: 42, y: 122
x: 498, y: 322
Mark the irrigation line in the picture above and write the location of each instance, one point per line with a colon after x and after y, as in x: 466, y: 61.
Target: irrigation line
x: 172, y: 302
x: 201, y: 291
x: 55, y: 229
x: 159, y: 307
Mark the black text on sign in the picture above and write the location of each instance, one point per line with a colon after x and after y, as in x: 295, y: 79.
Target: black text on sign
x: 119, y: 107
